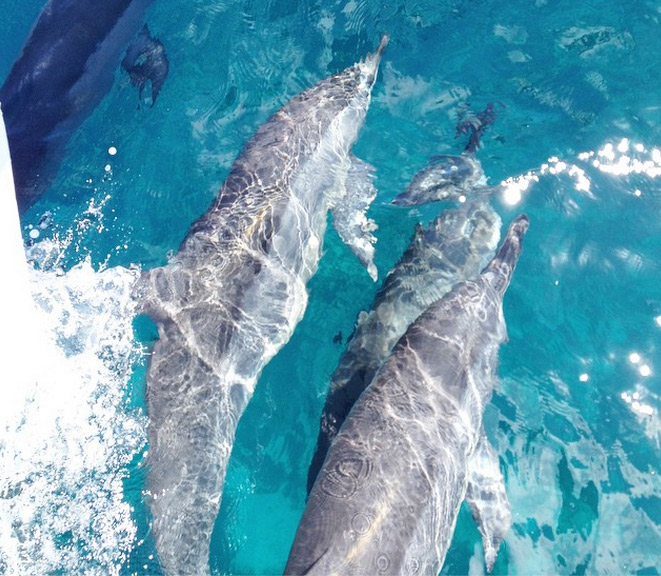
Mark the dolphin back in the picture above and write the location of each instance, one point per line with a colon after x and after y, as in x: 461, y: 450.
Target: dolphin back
x: 387, y: 497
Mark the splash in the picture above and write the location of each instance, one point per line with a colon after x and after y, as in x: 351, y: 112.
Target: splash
x: 68, y: 433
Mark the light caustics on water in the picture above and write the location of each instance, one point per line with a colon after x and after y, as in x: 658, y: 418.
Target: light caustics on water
x: 621, y: 159
x: 580, y: 497
x: 568, y: 506
x: 67, y: 432
x: 617, y: 160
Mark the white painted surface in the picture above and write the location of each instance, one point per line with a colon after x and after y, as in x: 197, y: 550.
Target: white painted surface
x: 20, y: 335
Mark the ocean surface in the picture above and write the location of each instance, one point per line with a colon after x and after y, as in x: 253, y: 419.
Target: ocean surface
x: 575, y: 418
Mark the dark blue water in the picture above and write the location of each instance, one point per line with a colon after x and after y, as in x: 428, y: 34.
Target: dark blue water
x: 576, y: 416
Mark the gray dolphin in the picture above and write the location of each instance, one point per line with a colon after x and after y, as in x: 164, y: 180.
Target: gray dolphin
x: 65, y: 68
x: 448, y: 177
x: 387, y: 497
x: 235, y: 291
x: 146, y: 60
x: 455, y: 247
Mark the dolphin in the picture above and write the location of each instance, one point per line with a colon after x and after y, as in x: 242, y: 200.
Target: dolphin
x: 455, y: 246
x: 146, y: 60
x: 235, y: 291
x: 66, y: 67
x: 387, y: 497
x: 448, y: 177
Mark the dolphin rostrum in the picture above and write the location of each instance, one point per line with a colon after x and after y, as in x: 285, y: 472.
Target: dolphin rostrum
x: 455, y: 247
x: 387, y: 497
x: 235, y: 291
x: 65, y: 68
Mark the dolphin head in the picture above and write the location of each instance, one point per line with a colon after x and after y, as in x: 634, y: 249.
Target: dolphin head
x: 476, y: 226
x: 371, y: 63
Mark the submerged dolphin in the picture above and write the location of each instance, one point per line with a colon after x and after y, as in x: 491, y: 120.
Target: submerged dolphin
x: 455, y: 247
x: 236, y: 290
x: 67, y: 65
x: 146, y: 60
x: 449, y: 177
x: 387, y: 497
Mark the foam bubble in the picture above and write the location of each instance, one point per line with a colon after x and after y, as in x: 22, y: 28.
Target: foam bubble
x: 68, y: 435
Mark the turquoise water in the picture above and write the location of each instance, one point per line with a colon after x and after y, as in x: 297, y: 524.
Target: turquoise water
x: 576, y: 416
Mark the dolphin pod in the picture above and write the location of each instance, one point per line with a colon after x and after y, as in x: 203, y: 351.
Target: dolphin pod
x: 455, y: 246
x: 387, y: 497
x: 235, y: 291
x: 65, y: 68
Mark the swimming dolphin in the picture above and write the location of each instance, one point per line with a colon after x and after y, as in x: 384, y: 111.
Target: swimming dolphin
x: 146, y: 60
x: 387, y: 497
x: 448, y: 177
x: 66, y: 67
x: 236, y: 290
x: 456, y: 246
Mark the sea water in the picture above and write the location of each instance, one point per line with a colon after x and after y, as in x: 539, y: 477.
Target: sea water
x: 575, y: 417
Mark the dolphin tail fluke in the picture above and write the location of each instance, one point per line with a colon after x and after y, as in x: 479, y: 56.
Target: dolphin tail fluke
x: 146, y: 60
x: 350, y: 218
x: 487, y: 499
x: 498, y: 272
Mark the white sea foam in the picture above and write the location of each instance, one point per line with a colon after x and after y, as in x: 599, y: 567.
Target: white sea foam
x: 67, y: 433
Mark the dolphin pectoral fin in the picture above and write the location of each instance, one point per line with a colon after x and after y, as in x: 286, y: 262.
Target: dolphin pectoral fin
x: 487, y: 499
x: 350, y: 218
x: 158, y: 287
x: 144, y: 295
